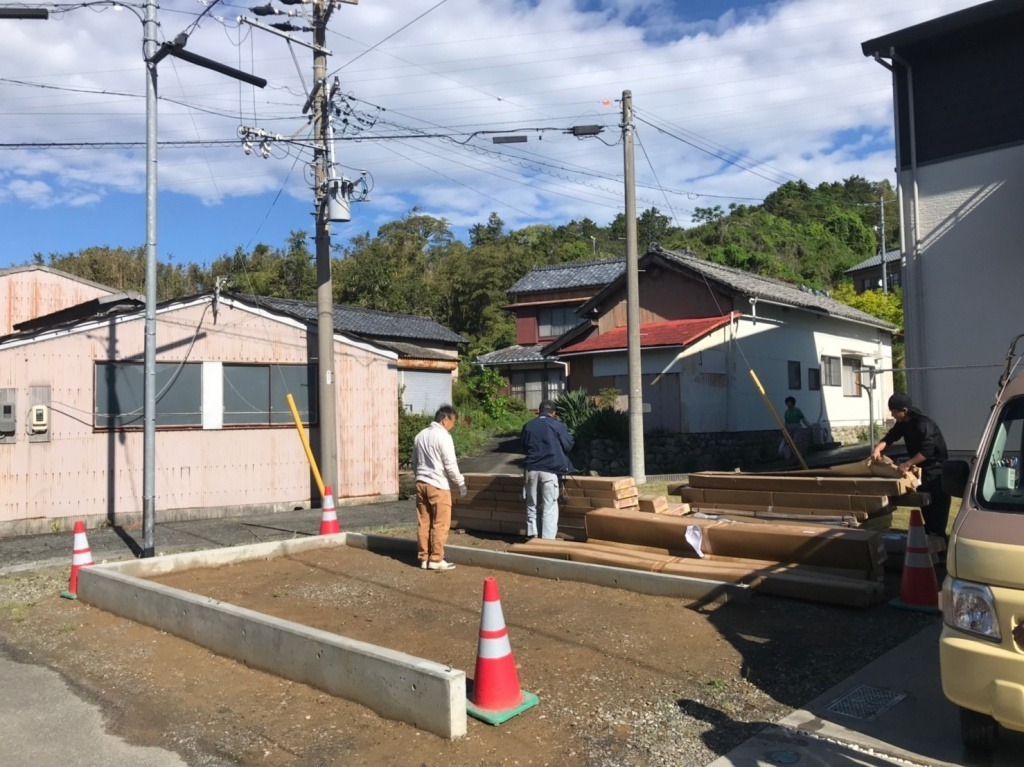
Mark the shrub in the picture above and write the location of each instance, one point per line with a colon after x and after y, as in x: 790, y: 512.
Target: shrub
x: 574, y: 409
x: 409, y: 425
x: 608, y: 397
x: 606, y: 423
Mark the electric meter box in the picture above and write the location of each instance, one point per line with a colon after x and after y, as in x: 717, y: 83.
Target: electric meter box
x: 39, y: 419
x: 39, y: 425
x: 8, y: 416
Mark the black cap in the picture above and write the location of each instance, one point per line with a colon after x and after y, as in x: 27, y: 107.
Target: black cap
x: 900, y: 401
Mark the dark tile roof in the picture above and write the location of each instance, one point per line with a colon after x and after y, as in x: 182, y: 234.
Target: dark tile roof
x: 512, y: 355
x: 890, y: 257
x: 579, y: 274
x: 419, y: 351
x: 747, y: 285
x: 368, y: 323
x: 770, y: 289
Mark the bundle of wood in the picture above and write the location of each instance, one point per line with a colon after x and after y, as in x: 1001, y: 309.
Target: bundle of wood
x: 853, y: 495
x: 814, y: 562
x: 496, y: 503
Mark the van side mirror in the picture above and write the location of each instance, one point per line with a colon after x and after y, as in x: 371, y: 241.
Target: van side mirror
x: 954, y: 477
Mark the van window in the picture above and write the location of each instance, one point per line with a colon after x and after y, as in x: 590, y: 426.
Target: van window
x: 999, y: 486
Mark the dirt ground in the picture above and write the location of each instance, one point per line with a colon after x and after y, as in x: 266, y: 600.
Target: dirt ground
x: 623, y: 679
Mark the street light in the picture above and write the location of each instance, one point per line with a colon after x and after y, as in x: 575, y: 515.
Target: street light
x: 580, y: 131
x: 24, y: 13
x: 177, y: 49
x: 153, y: 55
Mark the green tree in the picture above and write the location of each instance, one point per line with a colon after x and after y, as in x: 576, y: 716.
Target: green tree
x: 401, y: 269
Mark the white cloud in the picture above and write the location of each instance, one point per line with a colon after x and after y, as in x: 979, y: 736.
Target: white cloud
x: 776, y: 85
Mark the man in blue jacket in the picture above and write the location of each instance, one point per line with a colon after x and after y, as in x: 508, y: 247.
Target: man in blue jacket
x: 546, y: 444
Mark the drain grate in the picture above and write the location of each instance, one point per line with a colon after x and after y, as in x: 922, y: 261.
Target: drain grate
x: 865, y: 702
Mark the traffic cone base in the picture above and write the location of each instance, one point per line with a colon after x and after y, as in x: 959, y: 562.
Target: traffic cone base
x: 81, y: 556
x: 917, y: 608
x: 497, y: 717
x: 919, y: 589
x: 496, y: 696
x: 329, y: 522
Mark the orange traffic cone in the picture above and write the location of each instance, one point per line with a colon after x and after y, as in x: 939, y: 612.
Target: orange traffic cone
x: 919, y: 589
x: 496, y: 694
x: 329, y: 523
x: 81, y: 556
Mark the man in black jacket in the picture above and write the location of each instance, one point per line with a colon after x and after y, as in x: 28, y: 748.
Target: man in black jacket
x: 927, y: 449
x: 546, y: 444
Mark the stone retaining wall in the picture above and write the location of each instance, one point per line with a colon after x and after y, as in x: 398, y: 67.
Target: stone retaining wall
x: 682, y: 453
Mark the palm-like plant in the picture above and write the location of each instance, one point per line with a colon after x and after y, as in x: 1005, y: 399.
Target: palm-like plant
x: 574, y: 408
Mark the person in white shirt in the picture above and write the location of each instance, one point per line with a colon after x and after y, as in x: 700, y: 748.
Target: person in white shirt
x: 434, y: 464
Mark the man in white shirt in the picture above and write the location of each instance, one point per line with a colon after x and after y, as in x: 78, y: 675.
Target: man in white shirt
x: 434, y: 464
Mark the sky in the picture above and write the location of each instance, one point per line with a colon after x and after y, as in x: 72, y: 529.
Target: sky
x: 731, y: 99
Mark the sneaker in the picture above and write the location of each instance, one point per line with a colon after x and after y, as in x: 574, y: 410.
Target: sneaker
x: 423, y: 564
x: 441, y: 566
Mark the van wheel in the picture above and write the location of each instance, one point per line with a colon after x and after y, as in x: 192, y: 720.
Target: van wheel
x: 978, y: 731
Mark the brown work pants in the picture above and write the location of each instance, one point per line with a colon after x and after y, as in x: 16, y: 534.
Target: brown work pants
x: 434, y: 518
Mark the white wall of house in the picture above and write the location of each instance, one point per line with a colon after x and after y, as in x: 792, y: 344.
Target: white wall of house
x: 962, y: 294
x: 717, y: 393
x: 84, y: 470
x: 777, y: 336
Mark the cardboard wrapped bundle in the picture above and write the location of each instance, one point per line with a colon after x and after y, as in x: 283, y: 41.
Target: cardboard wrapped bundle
x: 496, y: 503
x: 868, y: 491
x: 832, y: 585
x: 818, y: 545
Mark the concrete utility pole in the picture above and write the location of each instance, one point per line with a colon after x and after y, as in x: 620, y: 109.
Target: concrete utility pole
x: 636, y: 400
x: 149, y: 372
x: 326, y: 392
x: 885, y: 267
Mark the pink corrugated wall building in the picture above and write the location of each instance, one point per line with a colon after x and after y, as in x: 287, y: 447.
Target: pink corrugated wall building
x: 83, y: 469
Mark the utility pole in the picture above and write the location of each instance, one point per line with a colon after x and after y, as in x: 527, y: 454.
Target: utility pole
x: 636, y: 400
x: 885, y: 267
x: 149, y: 362
x: 327, y: 400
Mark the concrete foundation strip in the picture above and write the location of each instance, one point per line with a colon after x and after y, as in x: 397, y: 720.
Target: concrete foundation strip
x: 423, y: 693
x: 639, y: 581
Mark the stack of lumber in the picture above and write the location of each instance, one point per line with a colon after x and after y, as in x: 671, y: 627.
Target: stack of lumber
x: 820, y: 497
x: 815, y: 562
x: 496, y: 503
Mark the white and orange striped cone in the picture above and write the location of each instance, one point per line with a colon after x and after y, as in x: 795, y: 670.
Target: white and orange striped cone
x: 919, y: 589
x: 329, y: 522
x: 496, y: 695
x: 81, y: 556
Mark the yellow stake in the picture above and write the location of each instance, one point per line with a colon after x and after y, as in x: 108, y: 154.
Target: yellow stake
x: 305, y: 444
x: 788, y: 437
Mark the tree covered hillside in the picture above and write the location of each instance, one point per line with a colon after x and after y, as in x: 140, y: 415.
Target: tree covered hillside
x: 417, y: 265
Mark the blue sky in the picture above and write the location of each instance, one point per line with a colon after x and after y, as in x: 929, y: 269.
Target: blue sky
x: 731, y: 100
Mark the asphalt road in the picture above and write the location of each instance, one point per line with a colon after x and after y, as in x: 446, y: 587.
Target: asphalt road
x: 29, y: 552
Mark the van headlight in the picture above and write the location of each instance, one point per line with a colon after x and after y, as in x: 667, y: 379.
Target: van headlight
x: 970, y: 607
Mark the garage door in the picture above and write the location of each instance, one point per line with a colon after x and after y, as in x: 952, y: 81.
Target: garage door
x: 424, y: 391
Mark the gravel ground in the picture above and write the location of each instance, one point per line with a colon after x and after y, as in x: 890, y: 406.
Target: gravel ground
x: 624, y: 679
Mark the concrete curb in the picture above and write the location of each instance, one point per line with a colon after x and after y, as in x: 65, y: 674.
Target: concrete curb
x: 657, y: 584
x: 425, y: 694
